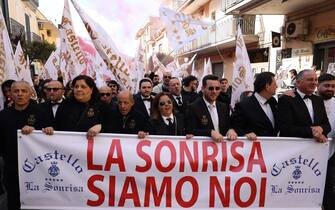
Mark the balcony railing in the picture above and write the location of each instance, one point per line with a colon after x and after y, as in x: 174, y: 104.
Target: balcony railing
x: 223, y: 30
x: 227, y: 4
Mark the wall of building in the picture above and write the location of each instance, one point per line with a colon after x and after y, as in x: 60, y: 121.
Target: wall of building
x: 321, y: 29
x: 17, y: 11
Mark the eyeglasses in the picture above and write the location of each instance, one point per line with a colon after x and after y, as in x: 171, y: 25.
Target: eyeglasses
x: 105, y: 94
x: 162, y: 103
x: 53, y: 89
x: 211, y: 88
x: 167, y: 77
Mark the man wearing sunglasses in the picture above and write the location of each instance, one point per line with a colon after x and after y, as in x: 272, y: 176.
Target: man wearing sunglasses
x: 106, y: 95
x: 208, y: 117
x: 163, y: 87
x: 54, y: 91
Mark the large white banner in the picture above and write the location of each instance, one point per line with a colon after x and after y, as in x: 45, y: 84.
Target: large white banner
x: 67, y: 171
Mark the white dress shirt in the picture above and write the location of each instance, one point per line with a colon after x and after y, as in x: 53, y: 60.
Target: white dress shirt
x: 330, y: 109
x: 214, y: 114
x: 266, y: 108
x: 308, y: 103
x: 147, y: 105
x: 165, y: 119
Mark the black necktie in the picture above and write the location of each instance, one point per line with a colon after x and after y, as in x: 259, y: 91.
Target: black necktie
x: 147, y: 99
x: 55, y: 103
x: 170, y: 121
x: 179, y: 101
x: 308, y: 97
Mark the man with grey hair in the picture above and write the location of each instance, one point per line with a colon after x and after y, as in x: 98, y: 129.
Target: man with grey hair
x: 163, y: 87
x: 22, y: 115
x: 303, y: 115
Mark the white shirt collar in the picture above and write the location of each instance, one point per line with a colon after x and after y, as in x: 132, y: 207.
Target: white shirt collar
x: 302, y: 95
x: 260, y: 98
x: 209, y: 104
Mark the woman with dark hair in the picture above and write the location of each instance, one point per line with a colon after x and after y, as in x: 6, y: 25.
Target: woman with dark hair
x: 82, y: 110
x: 163, y: 120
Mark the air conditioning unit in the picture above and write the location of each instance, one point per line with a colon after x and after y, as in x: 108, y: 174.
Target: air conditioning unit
x: 296, y: 28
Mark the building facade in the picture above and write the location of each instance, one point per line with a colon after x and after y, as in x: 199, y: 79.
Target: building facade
x: 219, y: 42
x: 308, y: 31
x: 27, y: 21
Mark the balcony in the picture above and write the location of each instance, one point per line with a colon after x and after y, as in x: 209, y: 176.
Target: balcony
x: 222, y: 35
x: 269, y: 7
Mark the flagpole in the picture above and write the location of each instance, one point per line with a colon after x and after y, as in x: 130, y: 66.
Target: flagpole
x: 167, y: 56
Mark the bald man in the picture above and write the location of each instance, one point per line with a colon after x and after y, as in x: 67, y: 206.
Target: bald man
x: 22, y: 115
x: 125, y: 119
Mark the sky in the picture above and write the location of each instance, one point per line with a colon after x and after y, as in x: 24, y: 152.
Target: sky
x: 121, y: 19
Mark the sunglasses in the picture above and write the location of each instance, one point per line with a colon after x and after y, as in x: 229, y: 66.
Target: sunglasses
x: 162, y: 103
x: 211, y: 88
x: 167, y: 77
x: 53, y: 89
x: 105, y: 94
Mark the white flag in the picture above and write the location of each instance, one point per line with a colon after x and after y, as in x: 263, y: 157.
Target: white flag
x: 182, y: 28
x: 194, y: 72
x: 242, y: 72
x: 72, y: 58
x: 207, y: 71
x: 7, y: 67
x: 107, y: 49
x: 173, y: 67
x: 51, y: 66
x: 21, y: 67
x: 140, y: 69
x: 282, y: 75
x: 158, y: 66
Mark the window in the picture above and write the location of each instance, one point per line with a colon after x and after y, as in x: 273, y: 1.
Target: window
x: 48, y: 33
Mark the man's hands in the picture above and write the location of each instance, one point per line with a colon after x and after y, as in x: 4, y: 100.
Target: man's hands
x: 318, y: 135
x: 217, y: 137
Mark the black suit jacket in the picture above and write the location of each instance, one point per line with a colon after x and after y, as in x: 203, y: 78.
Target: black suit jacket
x: 46, y: 109
x: 248, y: 116
x: 294, y: 119
x: 139, y: 105
x: 180, y: 109
x: 160, y: 128
x: 199, y: 121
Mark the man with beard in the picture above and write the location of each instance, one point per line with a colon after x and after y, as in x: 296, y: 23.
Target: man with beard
x: 326, y: 89
x: 189, y: 90
x: 143, y: 99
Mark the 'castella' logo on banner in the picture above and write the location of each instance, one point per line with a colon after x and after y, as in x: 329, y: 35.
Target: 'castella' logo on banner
x: 295, y: 168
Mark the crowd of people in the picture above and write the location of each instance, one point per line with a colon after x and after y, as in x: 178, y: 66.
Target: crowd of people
x: 172, y: 107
